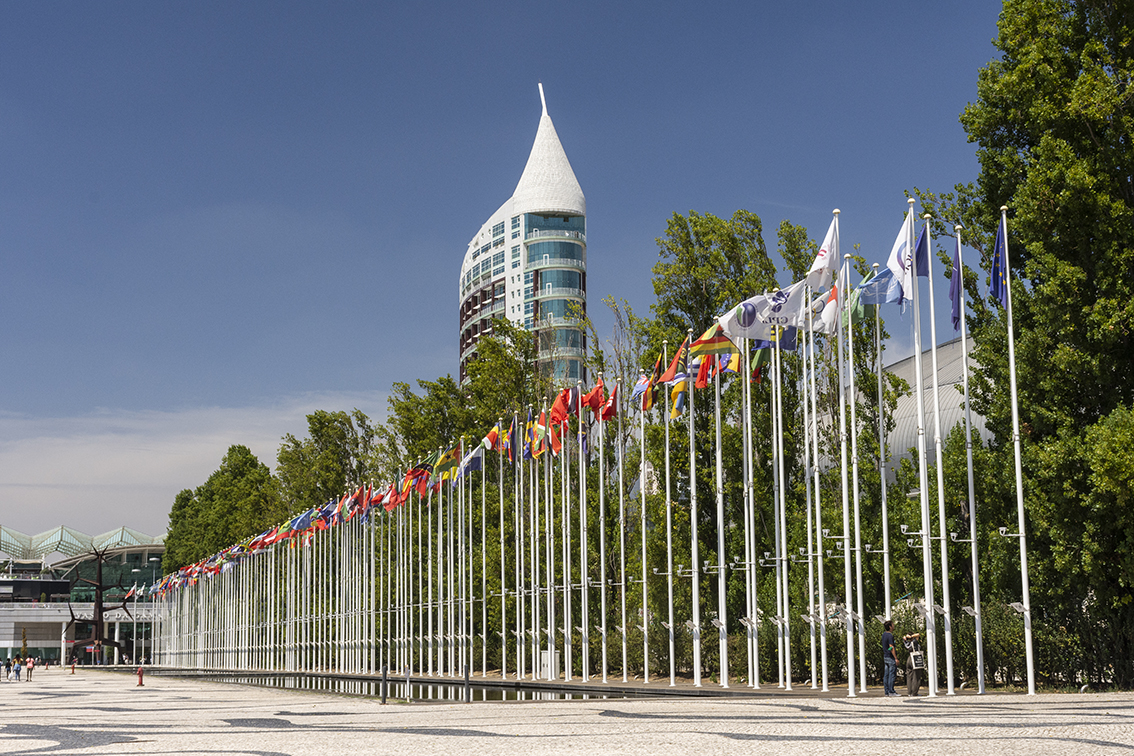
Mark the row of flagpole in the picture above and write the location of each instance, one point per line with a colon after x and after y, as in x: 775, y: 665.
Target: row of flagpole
x: 412, y: 628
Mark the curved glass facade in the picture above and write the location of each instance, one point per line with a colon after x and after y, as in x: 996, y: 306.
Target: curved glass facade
x: 554, y: 250
x: 561, y: 279
x: 556, y: 308
x: 539, y: 222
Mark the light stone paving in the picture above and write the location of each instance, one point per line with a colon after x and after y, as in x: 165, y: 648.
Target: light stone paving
x: 98, y: 712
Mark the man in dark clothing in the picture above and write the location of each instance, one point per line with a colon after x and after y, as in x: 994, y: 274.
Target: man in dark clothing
x: 889, y: 659
x: 915, y: 663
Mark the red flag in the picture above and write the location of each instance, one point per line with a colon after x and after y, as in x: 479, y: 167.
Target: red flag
x: 593, y: 398
x: 610, y: 409
x: 561, y: 409
x: 704, y: 372
x: 670, y: 374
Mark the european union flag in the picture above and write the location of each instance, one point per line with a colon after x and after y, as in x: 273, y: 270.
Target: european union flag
x: 999, y: 288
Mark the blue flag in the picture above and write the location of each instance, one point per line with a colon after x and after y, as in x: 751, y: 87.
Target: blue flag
x: 956, y: 291
x: 921, y: 252
x: 999, y: 286
x: 882, y: 289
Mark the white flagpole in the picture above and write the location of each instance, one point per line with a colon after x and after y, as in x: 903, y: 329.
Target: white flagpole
x: 779, y: 562
x: 819, y: 534
x: 749, y: 535
x: 483, y: 571
x: 669, y: 534
x: 854, y: 480
x: 645, y: 593
x: 806, y: 335
x: 503, y: 574
x: 722, y: 567
x: 785, y: 557
x: 584, y: 562
x: 845, y: 537
x: 549, y: 536
x: 1023, y: 536
x: 947, y: 617
x: 696, y: 556
x: 568, y: 628
x: 602, y: 534
x: 429, y: 582
x: 969, y: 469
x: 923, y: 472
x: 882, y: 456
x: 621, y: 527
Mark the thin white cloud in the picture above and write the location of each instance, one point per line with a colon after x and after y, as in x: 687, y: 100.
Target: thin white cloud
x: 111, y: 468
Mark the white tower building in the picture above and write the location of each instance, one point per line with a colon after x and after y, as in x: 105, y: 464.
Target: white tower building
x: 528, y: 262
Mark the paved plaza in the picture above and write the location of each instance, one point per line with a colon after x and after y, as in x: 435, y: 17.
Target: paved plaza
x: 100, y: 712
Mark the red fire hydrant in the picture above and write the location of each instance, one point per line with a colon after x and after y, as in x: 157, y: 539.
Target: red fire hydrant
x: 140, y: 685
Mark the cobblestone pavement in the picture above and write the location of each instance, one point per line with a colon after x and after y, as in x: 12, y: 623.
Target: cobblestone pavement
x: 97, y: 712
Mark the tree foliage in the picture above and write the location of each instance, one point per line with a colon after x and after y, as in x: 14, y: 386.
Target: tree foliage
x: 1054, y: 128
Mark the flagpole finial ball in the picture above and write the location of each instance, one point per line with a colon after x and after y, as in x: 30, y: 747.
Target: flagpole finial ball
x: 874, y: 265
x: 927, y: 216
x: 846, y: 256
x: 910, y: 200
x: 958, y: 227
x: 836, y: 211
x: 1003, y: 208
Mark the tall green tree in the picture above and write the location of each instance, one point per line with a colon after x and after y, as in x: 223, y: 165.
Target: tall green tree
x: 1054, y: 128
x: 240, y: 499
x: 337, y: 455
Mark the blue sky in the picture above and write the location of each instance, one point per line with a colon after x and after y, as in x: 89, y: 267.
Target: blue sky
x: 216, y: 217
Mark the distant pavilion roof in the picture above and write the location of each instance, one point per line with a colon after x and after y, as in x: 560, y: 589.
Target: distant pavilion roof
x: 70, y: 542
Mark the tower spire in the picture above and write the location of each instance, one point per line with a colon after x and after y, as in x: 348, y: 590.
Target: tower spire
x: 541, y: 99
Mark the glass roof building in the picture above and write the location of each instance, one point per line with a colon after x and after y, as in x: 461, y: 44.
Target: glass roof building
x: 528, y: 262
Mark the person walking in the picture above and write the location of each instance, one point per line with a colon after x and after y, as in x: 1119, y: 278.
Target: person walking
x: 29, y: 668
x: 915, y: 663
x: 7, y: 669
x: 889, y: 659
x: 16, y: 669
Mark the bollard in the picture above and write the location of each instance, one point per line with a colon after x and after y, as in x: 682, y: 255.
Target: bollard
x: 409, y: 696
x: 140, y: 685
x: 72, y: 666
x: 384, y: 685
x: 468, y: 686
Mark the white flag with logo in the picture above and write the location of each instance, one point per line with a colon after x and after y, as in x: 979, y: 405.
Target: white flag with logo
x: 901, y: 257
x: 754, y: 317
x: 827, y: 261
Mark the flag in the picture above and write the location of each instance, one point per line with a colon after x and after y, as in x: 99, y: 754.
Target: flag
x: 998, y: 287
x: 556, y: 444
x: 856, y: 309
x: 703, y: 367
x: 610, y: 409
x: 826, y: 262
x: 956, y: 290
x: 512, y: 440
x: 753, y: 317
x: 830, y: 314
x: 760, y: 358
x: 730, y: 363
x: 880, y: 289
x: 921, y: 252
x: 651, y: 393
x: 563, y: 406
x: 540, y: 436
x: 678, y: 363
x: 594, y: 397
x: 678, y: 395
x: 446, y: 462
x: 492, y: 440
x: 529, y: 435
x: 712, y: 341
x: 640, y: 387
x: 474, y: 460
x: 786, y: 336
x: 901, y: 258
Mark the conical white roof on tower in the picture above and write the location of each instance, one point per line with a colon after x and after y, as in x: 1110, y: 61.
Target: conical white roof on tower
x: 548, y: 185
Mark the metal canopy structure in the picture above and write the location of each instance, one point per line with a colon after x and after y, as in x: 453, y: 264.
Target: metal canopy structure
x: 70, y: 542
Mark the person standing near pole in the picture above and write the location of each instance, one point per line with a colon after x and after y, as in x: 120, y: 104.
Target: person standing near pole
x: 915, y: 663
x: 889, y: 659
